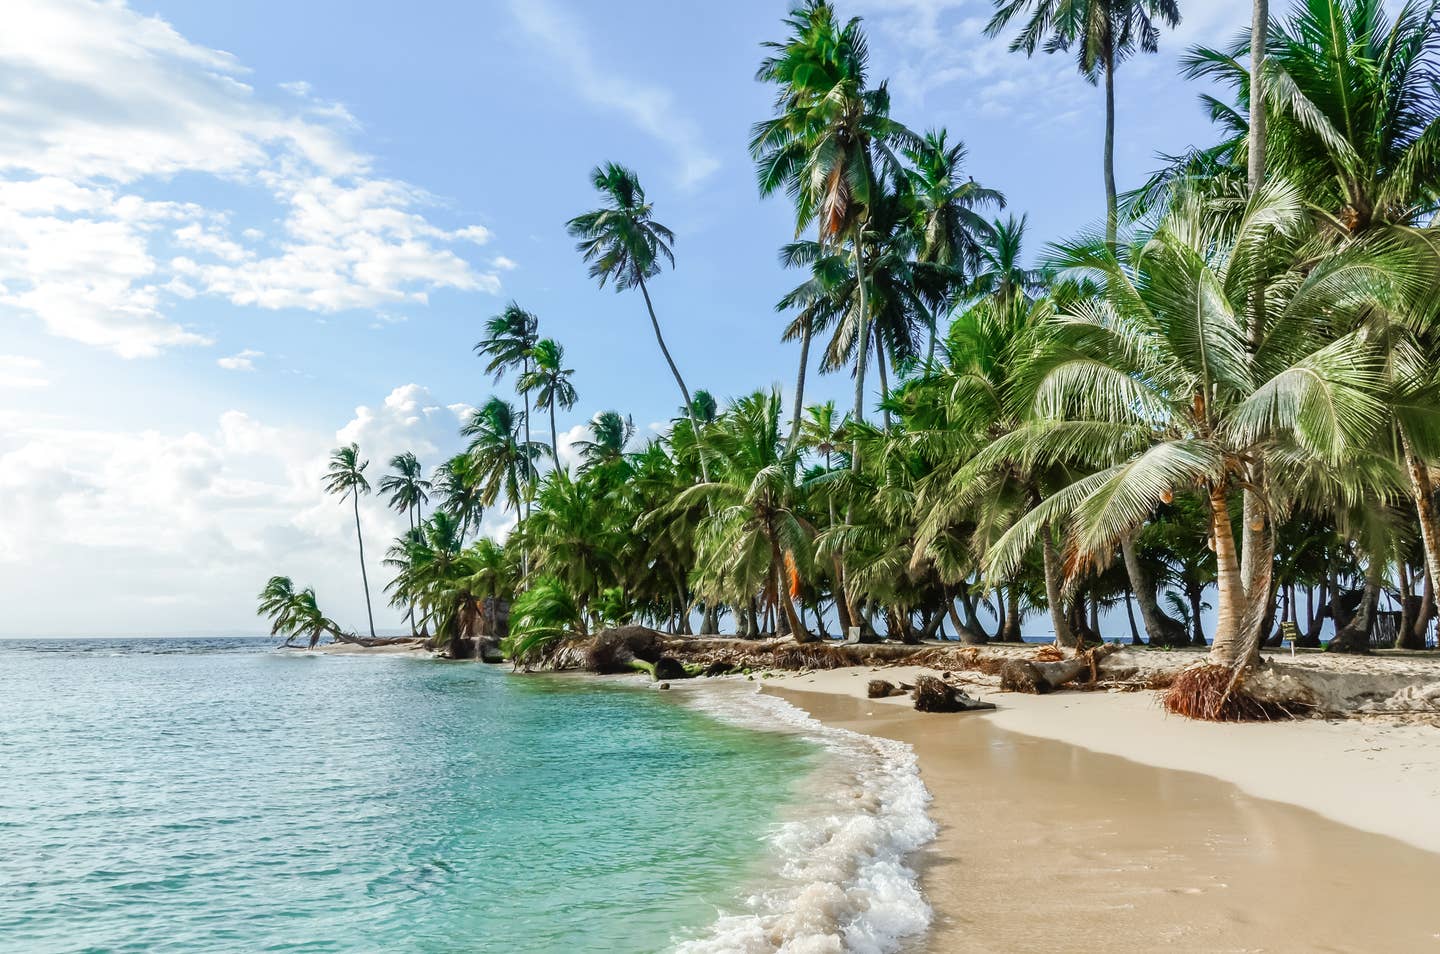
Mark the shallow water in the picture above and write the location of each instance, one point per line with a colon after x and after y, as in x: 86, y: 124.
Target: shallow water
x: 223, y: 797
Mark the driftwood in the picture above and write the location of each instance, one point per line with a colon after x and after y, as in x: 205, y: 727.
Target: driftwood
x: 880, y: 689
x: 1028, y: 675
x: 937, y: 695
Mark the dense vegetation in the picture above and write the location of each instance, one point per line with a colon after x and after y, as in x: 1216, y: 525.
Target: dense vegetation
x: 1226, y: 400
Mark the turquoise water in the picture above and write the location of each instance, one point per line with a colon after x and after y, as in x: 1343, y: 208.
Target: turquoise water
x: 216, y: 796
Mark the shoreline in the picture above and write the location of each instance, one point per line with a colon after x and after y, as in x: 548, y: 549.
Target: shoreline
x: 1143, y: 837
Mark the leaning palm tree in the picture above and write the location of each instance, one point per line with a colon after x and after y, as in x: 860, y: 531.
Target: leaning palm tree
x: 506, y: 461
x: 295, y: 612
x: 624, y: 246
x: 549, y: 379
x: 346, y: 478
x: 1105, y: 32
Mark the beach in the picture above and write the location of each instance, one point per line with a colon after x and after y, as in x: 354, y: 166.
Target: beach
x: 1087, y: 821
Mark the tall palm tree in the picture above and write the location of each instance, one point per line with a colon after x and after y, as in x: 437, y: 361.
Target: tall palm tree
x: 409, y: 491
x: 549, y: 379
x: 830, y: 142
x: 1105, y: 32
x: 346, y: 478
x: 406, y: 484
x: 624, y: 245
x: 953, y: 235
x: 505, y: 460
x: 460, y: 486
x: 509, y: 340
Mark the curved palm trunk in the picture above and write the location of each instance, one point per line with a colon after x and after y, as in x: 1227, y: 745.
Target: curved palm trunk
x: 1423, y: 491
x: 1112, y: 216
x: 1159, y: 626
x: 684, y: 391
x: 799, y: 390
x: 1053, y: 596
x: 884, y: 378
x: 364, y: 578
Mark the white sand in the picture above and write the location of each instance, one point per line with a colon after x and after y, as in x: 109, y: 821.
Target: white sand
x: 1375, y: 776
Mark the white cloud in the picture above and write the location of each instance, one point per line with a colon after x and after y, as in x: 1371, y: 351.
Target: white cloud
x: 651, y: 109
x: 503, y: 264
x: 103, y: 107
x: 19, y: 371
x: 196, y: 521
x: 243, y: 361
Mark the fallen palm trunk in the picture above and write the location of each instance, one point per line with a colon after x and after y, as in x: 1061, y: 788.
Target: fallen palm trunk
x: 1032, y: 676
x: 936, y: 695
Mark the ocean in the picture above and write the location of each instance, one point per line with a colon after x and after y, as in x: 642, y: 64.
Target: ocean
x: 187, y: 795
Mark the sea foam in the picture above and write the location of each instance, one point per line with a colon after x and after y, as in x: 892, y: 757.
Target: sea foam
x: 840, y: 877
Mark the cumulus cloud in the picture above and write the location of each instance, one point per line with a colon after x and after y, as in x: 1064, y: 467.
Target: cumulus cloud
x: 196, y: 521
x: 651, y: 109
x: 104, y: 107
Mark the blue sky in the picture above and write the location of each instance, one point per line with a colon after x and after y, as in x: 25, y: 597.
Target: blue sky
x: 235, y: 234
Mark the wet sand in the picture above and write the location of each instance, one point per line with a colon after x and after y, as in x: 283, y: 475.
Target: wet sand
x: 1045, y: 846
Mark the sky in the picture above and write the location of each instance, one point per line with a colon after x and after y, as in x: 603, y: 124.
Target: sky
x: 234, y: 235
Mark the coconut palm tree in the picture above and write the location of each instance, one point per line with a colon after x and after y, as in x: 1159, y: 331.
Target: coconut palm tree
x: 346, y: 479
x: 509, y: 340
x: 610, y: 434
x: 295, y: 612
x: 409, y: 491
x: 1001, y: 274
x: 752, y: 538
x: 831, y: 143
x: 460, y: 486
x: 953, y: 234
x: 505, y: 460
x: 624, y: 245
x: 1104, y: 33
x: 1155, y: 388
x: 549, y: 380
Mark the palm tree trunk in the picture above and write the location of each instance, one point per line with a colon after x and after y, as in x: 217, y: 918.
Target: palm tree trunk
x: 782, y: 594
x: 884, y: 379
x: 554, y: 438
x: 799, y: 389
x: 1063, y: 635
x: 862, y: 343
x: 364, y: 578
x: 1112, y: 214
x: 1424, y: 493
x: 930, y: 348
x: 684, y: 391
x: 525, y: 370
x: 1227, y: 648
x: 1159, y: 626
x: 1259, y: 30
x: 1135, y: 639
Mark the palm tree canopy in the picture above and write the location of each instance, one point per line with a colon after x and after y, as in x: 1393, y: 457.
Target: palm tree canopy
x: 406, y: 484
x: 548, y: 378
x: 346, y: 473
x: 509, y: 336
x: 1102, y: 31
x: 621, y: 241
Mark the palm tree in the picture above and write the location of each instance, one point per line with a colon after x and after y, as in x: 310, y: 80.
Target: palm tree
x: 1001, y: 275
x: 295, y: 612
x: 1105, y: 33
x: 610, y: 433
x: 459, y: 483
x: 505, y: 461
x: 624, y: 245
x: 409, y: 491
x: 953, y: 235
x: 550, y: 381
x: 830, y: 143
x: 752, y: 538
x: 1155, y: 389
x: 510, y: 337
x: 346, y: 478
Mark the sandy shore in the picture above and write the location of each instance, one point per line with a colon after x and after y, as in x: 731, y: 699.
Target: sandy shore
x: 1092, y: 821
